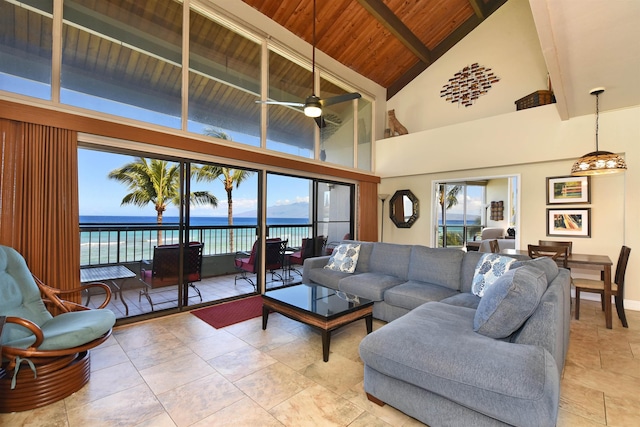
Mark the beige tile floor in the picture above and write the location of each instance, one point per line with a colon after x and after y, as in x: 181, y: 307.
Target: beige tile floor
x: 179, y: 371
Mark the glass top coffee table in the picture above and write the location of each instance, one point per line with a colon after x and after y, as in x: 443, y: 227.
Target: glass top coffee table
x: 318, y: 306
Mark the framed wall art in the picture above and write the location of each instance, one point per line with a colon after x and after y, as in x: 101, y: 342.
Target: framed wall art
x: 569, y: 222
x: 568, y: 190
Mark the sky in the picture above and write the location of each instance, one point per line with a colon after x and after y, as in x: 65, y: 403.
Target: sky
x: 100, y: 195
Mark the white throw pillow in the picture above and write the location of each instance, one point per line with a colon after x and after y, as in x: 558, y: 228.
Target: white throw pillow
x: 490, y: 267
x: 344, y: 258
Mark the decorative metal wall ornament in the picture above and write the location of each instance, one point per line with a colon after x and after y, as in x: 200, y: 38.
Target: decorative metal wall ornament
x: 468, y: 84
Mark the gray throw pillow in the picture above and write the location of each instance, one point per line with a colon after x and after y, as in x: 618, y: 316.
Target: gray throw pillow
x: 490, y: 267
x: 545, y: 264
x: 344, y: 258
x: 509, y: 302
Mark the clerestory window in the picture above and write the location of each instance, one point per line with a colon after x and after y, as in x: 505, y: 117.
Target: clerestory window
x: 129, y: 59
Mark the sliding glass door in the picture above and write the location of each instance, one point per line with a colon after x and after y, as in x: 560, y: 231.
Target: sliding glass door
x: 459, y: 215
x: 334, y: 212
x: 171, y: 233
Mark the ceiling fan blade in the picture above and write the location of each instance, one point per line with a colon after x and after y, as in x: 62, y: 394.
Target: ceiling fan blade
x: 340, y: 98
x: 320, y: 122
x: 291, y: 104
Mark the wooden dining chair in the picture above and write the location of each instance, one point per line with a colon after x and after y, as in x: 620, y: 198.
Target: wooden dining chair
x: 597, y: 286
x: 568, y: 244
x: 558, y: 253
x: 495, y: 247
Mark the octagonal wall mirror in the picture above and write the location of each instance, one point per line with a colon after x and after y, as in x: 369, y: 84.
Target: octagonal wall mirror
x: 403, y: 208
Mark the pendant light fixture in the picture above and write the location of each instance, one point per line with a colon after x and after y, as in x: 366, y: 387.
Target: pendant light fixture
x: 598, y: 162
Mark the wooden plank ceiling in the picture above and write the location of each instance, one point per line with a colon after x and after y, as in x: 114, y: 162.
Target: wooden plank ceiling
x: 387, y: 41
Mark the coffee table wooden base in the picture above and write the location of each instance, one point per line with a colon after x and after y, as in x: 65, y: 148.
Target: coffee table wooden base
x: 325, y: 325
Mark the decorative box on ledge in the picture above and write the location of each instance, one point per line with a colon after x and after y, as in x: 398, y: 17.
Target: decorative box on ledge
x: 536, y: 99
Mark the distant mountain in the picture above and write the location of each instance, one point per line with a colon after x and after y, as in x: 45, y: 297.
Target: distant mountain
x: 292, y: 210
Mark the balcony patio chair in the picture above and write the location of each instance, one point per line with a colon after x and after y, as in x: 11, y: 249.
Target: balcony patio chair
x: 298, y: 257
x: 165, y: 266
x: 329, y: 247
x: 311, y: 247
x: 597, y: 286
x: 274, y: 260
x: 45, y: 358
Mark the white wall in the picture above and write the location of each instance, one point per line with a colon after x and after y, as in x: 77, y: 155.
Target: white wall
x: 507, y: 42
x: 491, y: 139
x: 498, y: 190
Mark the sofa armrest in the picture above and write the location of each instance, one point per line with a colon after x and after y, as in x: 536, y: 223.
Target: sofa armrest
x: 310, y: 263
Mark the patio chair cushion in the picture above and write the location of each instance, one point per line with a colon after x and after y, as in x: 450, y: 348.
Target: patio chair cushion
x: 69, y: 330
x: 19, y: 295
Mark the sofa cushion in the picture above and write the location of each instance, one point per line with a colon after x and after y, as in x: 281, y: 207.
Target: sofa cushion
x: 369, y: 285
x: 326, y: 277
x: 434, y: 347
x: 390, y: 259
x: 344, y: 258
x: 468, y: 270
x: 490, y: 267
x: 509, y: 302
x: 412, y: 294
x: 546, y: 264
x: 463, y: 299
x: 365, y: 255
x: 439, y: 266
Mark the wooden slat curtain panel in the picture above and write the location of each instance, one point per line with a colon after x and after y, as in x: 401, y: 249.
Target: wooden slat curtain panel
x: 10, y: 171
x: 45, y: 196
x: 368, y: 219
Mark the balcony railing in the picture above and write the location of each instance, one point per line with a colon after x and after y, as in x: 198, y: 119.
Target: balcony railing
x: 120, y: 243
x: 457, y: 235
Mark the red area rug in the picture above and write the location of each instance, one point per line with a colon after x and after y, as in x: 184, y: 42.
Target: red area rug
x: 229, y: 313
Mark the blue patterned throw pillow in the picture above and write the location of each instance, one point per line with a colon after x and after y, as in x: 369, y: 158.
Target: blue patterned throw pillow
x: 490, y: 267
x: 344, y: 258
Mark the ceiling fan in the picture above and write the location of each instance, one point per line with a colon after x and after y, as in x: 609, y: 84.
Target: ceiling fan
x: 313, y: 105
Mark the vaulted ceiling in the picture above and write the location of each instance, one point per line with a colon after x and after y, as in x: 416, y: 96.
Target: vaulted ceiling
x: 585, y: 43
x: 387, y: 41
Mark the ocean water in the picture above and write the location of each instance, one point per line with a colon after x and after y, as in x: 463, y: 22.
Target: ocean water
x: 118, y: 245
x: 195, y: 221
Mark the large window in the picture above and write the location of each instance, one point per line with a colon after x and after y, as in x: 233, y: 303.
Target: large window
x: 365, y: 130
x: 25, y: 48
x: 224, y: 82
x: 124, y: 58
x: 336, y: 135
x: 288, y: 129
x: 130, y: 59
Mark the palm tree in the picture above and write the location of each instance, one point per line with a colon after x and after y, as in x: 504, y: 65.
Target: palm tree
x: 448, y: 198
x: 157, y: 182
x: 451, y: 197
x: 229, y: 177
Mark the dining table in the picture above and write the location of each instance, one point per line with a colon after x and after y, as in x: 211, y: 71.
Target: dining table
x: 600, y: 263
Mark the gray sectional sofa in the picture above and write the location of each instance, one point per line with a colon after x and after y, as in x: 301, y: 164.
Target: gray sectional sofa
x: 447, y: 356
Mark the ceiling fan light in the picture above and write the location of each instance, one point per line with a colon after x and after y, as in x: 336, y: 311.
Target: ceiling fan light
x: 312, y: 111
x: 312, y: 107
